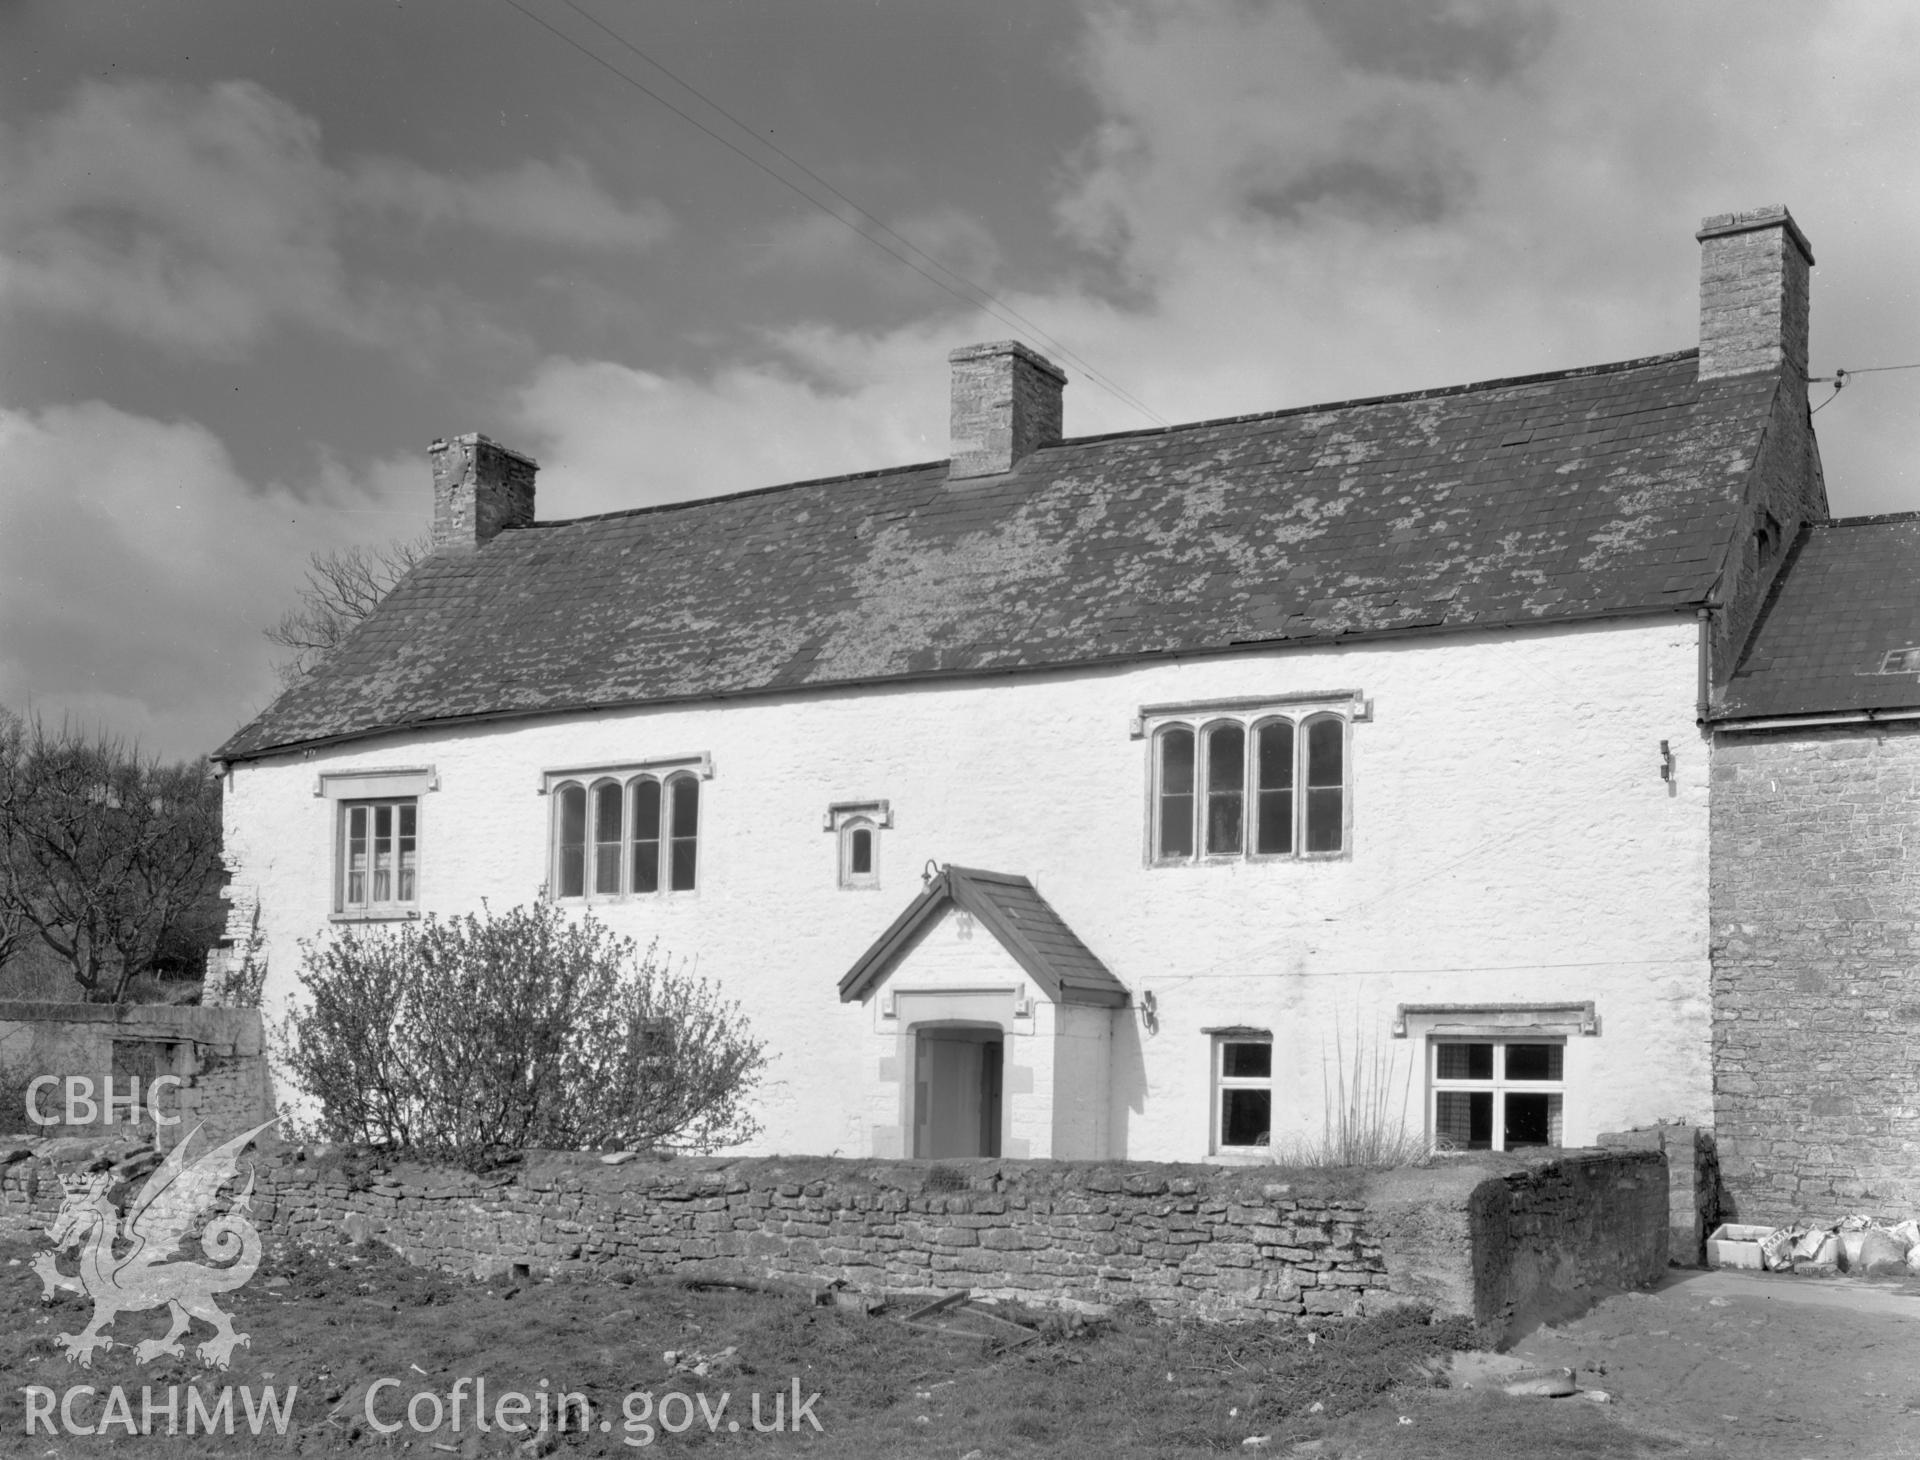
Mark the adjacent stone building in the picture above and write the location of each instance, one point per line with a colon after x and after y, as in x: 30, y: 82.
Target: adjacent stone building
x: 1816, y: 884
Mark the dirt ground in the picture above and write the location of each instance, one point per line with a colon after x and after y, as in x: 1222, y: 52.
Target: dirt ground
x: 1763, y: 1367
x: 1766, y: 1366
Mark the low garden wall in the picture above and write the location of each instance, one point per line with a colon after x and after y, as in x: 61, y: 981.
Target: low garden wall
x: 1499, y: 1239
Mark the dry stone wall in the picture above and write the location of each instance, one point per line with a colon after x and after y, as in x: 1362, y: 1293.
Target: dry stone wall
x: 1198, y: 1242
x: 1184, y: 1241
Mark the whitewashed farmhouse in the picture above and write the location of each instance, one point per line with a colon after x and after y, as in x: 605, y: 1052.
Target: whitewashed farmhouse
x: 1106, y: 797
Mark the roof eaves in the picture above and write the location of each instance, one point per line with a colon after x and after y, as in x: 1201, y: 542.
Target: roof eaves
x: 1812, y: 719
x: 1650, y: 609
x: 1063, y: 985
x: 872, y: 965
x: 969, y: 888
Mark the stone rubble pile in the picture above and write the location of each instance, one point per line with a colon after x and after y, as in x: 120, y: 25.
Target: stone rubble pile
x: 1857, y: 1244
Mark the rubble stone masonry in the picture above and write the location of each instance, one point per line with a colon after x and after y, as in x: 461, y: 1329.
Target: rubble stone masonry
x: 1496, y: 1238
x: 1816, y: 937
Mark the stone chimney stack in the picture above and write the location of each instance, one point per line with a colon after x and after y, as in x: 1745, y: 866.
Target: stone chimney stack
x: 479, y: 487
x: 1006, y: 401
x: 1753, y: 294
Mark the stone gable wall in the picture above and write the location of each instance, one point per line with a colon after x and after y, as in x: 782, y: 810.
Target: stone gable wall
x: 1816, y: 941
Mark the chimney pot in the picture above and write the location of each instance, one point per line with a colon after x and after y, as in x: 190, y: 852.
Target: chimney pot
x: 1753, y: 294
x: 479, y: 488
x: 1006, y: 402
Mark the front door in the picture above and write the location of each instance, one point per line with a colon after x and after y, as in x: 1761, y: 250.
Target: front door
x: 956, y: 1093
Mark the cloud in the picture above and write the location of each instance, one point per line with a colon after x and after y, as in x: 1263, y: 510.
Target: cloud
x: 536, y: 202
x: 186, y: 217
x: 815, y: 244
x: 1290, y: 203
x: 138, y: 567
x: 199, y: 218
x: 610, y: 436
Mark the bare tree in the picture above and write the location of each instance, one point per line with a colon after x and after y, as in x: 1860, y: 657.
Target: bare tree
x: 111, y: 859
x: 344, y: 585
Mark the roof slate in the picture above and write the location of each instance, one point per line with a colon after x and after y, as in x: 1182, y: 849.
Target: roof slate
x: 1608, y: 490
x: 1012, y: 909
x: 1849, y: 595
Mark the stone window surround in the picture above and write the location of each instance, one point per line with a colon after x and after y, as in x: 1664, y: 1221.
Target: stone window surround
x: 1495, y: 1023
x: 665, y: 769
x: 386, y: 785
x: 843, y: 819
x: 1250, y: 712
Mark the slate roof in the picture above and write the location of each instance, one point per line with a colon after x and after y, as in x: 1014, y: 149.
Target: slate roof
x: 1608, y: 490
x: 1848, y: 597
x: 1013, y: 910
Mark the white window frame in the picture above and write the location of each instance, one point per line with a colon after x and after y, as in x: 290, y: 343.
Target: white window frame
x: 394, y: 787
x: 1201, y: 720
x: 369, y: 906
x: 1499, y: 1085
x: 1221, y: 1083
x: 844, y: 819
x: 853, y: 877
x: 667, y: 772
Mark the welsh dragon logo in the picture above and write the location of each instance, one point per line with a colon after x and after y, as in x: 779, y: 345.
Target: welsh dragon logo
x: 148, y: 1273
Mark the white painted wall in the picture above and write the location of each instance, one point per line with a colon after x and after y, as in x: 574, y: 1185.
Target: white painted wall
x: 1513, y: 841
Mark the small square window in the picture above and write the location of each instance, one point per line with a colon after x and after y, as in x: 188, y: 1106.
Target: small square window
x: 1243, y: 1092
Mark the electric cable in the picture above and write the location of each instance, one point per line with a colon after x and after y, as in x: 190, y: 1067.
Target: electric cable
x: 985, y: 301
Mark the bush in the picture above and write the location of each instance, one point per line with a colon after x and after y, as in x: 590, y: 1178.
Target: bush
x: 467, y: 1038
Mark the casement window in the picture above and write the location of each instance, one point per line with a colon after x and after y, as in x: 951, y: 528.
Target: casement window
x: 376, y: 817
x: 1250, y: 784
x: 1242, y: 1091
x: 856, y: 826
x: 379, y: 855
x: 1495, y: 1094
x: 627, y: 832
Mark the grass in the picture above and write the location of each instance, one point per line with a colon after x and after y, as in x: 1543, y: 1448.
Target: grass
x: 333, y: 1321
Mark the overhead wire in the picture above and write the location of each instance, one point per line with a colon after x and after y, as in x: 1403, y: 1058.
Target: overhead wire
x: 1838, y: 380
x: 1052, y: 341
x: 979, y: 298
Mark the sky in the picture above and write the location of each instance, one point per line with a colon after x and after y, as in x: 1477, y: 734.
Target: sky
x: 255, y: 255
